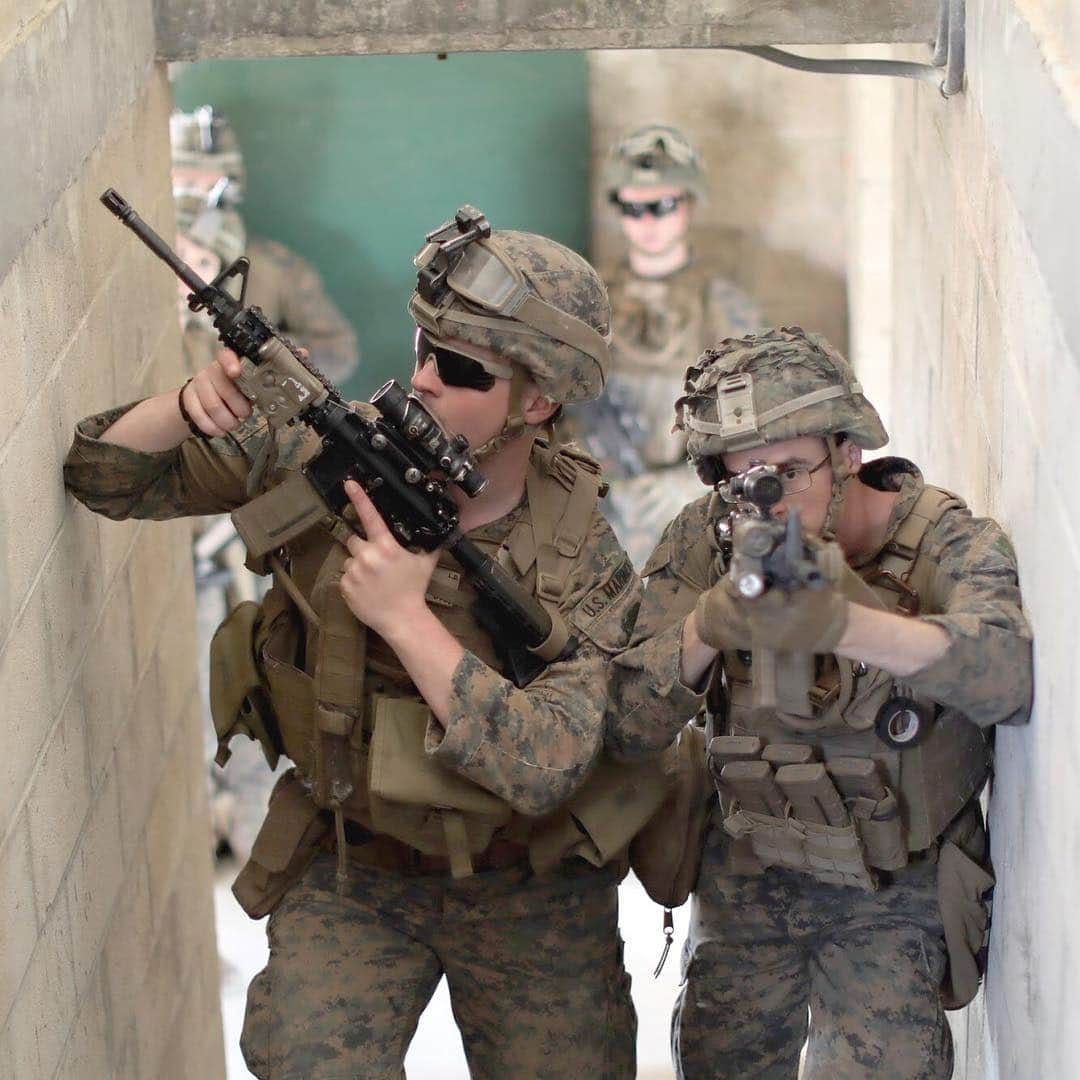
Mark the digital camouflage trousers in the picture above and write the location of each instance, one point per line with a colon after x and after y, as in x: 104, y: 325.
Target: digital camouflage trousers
x: 778, y: 960
x: 534, y: 967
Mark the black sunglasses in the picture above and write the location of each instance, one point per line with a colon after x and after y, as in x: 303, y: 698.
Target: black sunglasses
x: 454, y: 368
x: 657, y: 207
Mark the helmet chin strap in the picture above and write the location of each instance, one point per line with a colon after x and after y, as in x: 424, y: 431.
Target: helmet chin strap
x: 514, y: 426
x: 842, y: 477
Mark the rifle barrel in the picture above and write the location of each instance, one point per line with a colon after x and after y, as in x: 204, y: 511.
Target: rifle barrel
x: 115, y: 203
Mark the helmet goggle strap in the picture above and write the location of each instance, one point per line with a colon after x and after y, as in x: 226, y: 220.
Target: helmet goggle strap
x: 737, y: 420
x: 841, y: 478
x: 661, y: 143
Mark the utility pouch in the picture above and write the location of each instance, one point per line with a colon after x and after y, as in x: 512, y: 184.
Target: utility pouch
x: 279, y: 515
x: 964, y: 891
x: 599, y: 822
x: 238, y: 703
x: 417, y: 801
x: 277, y: 643
x: 666, y: 854
x: 881, y: 829
x: 829, y: 853
x: 287, y: 842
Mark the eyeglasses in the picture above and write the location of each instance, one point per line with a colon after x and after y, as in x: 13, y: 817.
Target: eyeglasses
x: 454, y: 368
x: 796, y: 478
x: 657, y: 207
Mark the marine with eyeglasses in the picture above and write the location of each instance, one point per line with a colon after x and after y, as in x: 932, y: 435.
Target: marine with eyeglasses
x: 852, y: 637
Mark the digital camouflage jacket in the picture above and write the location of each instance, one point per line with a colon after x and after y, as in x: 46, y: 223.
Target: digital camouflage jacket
x: 531, y: 747
x: 985, y: 673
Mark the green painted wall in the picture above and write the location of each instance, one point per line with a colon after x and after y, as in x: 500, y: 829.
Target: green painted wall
x: 351, y: 160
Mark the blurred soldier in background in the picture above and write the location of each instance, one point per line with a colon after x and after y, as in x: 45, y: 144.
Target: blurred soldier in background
x: 208, y: 176
x: 208, y: 188
x: 668, y: 303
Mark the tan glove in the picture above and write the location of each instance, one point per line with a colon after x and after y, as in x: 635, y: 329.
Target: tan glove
x: 805, y: 621
x: 722, y: 618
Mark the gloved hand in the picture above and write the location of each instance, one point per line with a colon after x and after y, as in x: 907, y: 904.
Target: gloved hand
x: 805, y: 621
x: 721, y: 617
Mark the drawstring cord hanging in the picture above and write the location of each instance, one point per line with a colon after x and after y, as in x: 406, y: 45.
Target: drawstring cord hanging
x: 669, y: 938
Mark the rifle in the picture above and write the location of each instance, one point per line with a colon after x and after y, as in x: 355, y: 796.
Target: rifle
x: 399, y: 458
x: 764, y: 553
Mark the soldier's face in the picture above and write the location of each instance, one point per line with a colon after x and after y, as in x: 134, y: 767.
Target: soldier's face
x: 806, y: 452
x: 654, y: 232
x: 479, y: 415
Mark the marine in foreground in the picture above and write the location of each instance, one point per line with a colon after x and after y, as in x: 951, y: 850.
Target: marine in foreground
x: 850, y: 671
x: 449, y: 811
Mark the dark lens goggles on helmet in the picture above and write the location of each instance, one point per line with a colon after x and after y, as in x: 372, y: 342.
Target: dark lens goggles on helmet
x: 657, y: 207
x: 454, y: 368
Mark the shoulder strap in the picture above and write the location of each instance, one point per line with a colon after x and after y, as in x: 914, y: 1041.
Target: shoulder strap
x: 901, y: 576
x: 563, y: 491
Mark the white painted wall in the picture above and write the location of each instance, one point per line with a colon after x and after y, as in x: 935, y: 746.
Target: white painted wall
x: 107, y: 962
x: 983, y: 390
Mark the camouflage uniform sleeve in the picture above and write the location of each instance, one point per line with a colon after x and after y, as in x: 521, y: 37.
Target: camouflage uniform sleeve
x: 535, y: 746
x: 197, y: 477
x: 649, y: 703
x: 309, y: 316
x: 986, y: 671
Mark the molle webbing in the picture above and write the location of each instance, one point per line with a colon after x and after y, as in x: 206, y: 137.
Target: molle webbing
x: 339, y: 694
x: 933, y: 780
x: 559, y: 528
x: 899, y: 559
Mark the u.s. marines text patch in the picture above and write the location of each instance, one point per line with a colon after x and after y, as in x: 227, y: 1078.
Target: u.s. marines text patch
x: 606, y: 615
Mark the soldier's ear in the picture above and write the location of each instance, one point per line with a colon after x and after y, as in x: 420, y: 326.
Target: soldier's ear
x: 536, y: 409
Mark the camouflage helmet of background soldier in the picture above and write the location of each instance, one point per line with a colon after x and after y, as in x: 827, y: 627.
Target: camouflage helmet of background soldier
x: 528, y: 299
x: 203, y: 139
x: 654, y: 155
x: 770, y: 387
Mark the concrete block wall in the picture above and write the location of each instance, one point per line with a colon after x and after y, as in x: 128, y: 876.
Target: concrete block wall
x: 984, y: 391
x: 107, y: 958
x: 775, y: 145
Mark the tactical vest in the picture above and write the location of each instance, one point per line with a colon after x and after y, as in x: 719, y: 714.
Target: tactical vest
x: 927, y: 785
x: 348, y: 715
x: 658, y: 328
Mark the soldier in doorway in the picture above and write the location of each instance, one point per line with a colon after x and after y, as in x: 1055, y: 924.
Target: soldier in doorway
x: 208, y: 175
x: 669, y: 301
x: 843, y: 892
x: 208, y: 189
x: 484, y: 838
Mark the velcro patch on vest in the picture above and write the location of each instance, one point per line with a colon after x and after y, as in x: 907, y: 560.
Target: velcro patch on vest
x: 443, y: 587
